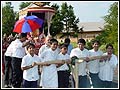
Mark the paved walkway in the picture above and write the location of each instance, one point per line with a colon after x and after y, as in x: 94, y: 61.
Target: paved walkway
x: 114, y: 84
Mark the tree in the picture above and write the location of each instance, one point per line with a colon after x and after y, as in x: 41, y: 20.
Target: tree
x: 110, y: 33
x: 8, y: 18
x: 24, y: 4
x: 56, y: 25
x: 68, y: 18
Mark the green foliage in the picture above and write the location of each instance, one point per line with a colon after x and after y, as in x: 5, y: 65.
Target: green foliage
x: 116, y: 48
x: 88, y: 45
x: 103, y: 48
x: 56, y: 25
x: 74, y: 44
x: 68, y: 18
x: 24, y: 4
x: 63, y: 20
x: 75, y: 35
x: 110, y: 33
x: 8, y: 19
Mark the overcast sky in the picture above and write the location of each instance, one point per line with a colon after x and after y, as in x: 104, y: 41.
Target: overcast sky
x: 87, y: 11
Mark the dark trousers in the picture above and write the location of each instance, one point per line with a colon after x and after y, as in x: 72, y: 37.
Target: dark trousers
x: 106, y: 84
x: 17, y: 72
x: 29, y: 84
x: 63, y: 79
x: 95, y: 80
x: 8, y: 70
x: 83, y: 82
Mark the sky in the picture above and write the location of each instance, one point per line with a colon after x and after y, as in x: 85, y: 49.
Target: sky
x: 86, y: 11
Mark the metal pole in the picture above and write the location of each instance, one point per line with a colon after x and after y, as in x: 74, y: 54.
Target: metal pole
x: 48, y: 24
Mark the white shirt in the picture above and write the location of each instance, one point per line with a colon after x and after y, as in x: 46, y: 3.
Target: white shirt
x: 18, y: 50
x: 63, y: 57
x: 94, y: 65
x: 9, y: 50
x: 32, y: 73
x: 107, y: 68
x: 49, y: 77
x: 82, y: 66
x: 43, y: 48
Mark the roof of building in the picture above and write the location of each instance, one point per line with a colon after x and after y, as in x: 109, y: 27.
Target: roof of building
x: 91, y: 26
x: 36, y: 6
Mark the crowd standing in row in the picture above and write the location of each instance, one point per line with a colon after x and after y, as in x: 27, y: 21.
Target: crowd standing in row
x: 22, y: 55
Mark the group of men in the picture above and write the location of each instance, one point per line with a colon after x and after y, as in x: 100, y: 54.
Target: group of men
x: 24, y: 67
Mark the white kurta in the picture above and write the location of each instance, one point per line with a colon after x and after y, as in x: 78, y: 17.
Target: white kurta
x: 107, y: 68
x: 63, y: 57
x: 43, y: 48
x: 82, y: 66
x: 49, y: 77
x: 94, y: 66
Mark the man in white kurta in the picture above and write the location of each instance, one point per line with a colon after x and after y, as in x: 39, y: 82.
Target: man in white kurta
x: 46, y: 46
x: 49, y: 77
x: 107, y: 67
x: 43, y: 48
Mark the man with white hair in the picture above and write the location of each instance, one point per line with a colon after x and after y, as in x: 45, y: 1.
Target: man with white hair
x: 46, y: 46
